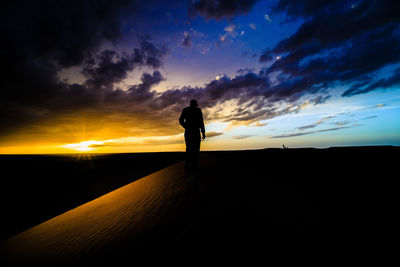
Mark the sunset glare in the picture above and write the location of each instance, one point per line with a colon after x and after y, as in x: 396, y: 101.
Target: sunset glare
x: 114, y: 76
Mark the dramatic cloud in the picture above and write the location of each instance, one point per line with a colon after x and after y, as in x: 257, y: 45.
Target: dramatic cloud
x: 393, y: 80
x: 109, y: 67
x: 218, y: 9
x: 340, y: 43
x: 41, y: 96
x: 41, y: 38
x: 62, y: 31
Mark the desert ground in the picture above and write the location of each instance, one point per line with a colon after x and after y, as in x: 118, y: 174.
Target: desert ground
x: 262, y: 203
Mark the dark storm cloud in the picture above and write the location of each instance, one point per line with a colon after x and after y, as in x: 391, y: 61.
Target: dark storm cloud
x: 341, y: 42
x: 241, y: 87
x: 153, y: 54
x: 248, y: 90
x: 393, y: 80
x: 141, y: 92
x: 218, y: 9
x: 109, y: 67
x: 65, y: 31
x: 41, y: 38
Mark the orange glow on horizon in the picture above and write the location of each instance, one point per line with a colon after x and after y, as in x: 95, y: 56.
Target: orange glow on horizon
x: 84, y: 146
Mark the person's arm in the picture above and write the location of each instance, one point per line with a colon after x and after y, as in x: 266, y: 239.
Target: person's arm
x: 182, y: 119
x: 203, y: 131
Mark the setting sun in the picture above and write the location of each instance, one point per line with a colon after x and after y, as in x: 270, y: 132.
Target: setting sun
x: 132, y: 126
x: 84, y: 146
x: 263, y: 73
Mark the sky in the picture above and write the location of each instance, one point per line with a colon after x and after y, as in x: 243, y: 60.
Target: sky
x: 113, y: 76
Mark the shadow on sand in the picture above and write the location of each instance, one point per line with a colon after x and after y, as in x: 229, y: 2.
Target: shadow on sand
x: 270, y: 201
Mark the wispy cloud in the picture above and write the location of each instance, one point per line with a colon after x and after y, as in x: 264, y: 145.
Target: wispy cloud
x: 313, y: 132
x: 257, y: 124
x: 305, y: 127
x: 187, y: 40
x: 230, y: 28
x: 242, y: 136
x: 370, y: 117
x: 213, y: 134
x: 140, y: 141
x: 341, y: 123
x: 134, y: 141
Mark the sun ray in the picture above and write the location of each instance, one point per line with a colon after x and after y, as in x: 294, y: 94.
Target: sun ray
x: 83, y: 146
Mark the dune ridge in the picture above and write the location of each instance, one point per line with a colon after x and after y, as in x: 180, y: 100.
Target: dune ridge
x: 123, y: 213
x: 272, y: 200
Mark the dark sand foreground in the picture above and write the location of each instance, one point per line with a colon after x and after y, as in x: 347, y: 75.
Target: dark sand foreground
x: 261, y: 203
x: 35, y: 188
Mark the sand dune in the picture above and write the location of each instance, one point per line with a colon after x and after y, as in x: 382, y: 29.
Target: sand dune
x: 119, y: 216
x: 244, y: 200
x: 130, y: 216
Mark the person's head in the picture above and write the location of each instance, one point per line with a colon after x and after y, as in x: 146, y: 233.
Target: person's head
x: 193, y: 103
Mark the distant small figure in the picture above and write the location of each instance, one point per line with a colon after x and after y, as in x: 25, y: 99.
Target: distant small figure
x: 284, y: 147
x: 192, y: 120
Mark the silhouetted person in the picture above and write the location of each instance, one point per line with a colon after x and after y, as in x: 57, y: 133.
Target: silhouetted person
x: 192, y: 120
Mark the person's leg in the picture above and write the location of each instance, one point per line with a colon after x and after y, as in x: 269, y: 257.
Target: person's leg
x: 192, y: 139
x: 188, y: 150
x: 196, y: 149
